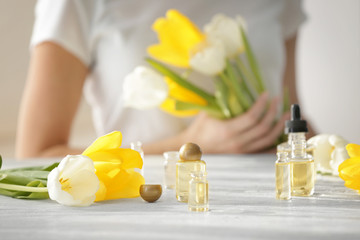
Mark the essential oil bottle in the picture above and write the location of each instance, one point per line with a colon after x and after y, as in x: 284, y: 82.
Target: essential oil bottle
x: 302, y: 166
x: 282, y: 177
x: 171, y: 159
x: 198, y: 192
x: 189, y: 161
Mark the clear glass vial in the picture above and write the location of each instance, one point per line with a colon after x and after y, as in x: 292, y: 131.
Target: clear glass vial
x: 282, y: 177
x: 302, y: 170
x: 198, y: 192
x: 137, y: 146
x: 170, y: 168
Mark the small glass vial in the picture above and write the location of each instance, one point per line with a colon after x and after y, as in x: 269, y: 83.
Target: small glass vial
x: 137, y: 146
x: 198, y: 192
x: 170, y: 169
x: 189, y: 161
x: 302, y: 170
x: 282, y: 177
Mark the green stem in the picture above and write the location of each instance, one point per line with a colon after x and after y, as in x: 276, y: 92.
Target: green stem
x: 233, y: 100
x: 248, y: 78
x: 221, y: 95
x: 252, y: 61
x: 236, y: 85
x: 212, y: 111
x: 181, y: 81
x: 22, y: 188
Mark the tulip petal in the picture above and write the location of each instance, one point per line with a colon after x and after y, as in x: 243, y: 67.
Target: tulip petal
x: 108, y: 141
x: 125, y: 184
x: 351, y: 172
x: 73, y: 182
x: 355, y: 184
x: 177, y: 37
x: 128, y: 158
x: 353, y: 150
x: 182, y: 94
x: 83, y: 185
x: 348, y: 163
x: 101, y: 193
x: 169, y: 106
x: 179, y: 93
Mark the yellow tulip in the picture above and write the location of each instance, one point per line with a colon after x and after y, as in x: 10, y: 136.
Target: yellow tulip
x: 178, y: 36
x: 349, y: 170
x: 115, y: 168
x: 176, y: 92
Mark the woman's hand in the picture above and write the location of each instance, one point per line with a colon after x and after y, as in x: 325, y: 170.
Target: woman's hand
x: 254, y: 131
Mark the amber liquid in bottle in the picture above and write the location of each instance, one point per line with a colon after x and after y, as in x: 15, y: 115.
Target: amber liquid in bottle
x: 198, y: 193
x: 183, y: 176
x: 302, y: 170
x: 303, y: 177
x: 282, y: 177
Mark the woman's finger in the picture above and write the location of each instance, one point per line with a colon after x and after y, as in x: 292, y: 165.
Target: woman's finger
x: 251, y: 117
x: 262, y: 128
x: 268, y: 139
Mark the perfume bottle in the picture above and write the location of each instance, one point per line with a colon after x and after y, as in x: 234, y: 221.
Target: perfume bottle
x: 189, y: 161
x: 302, y: 166
x: 171, y: 159
x: 137, y: 146
x: 282, y: 177
x: 198, y: 192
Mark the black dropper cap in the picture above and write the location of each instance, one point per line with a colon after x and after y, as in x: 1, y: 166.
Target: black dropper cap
x: 295, y: 124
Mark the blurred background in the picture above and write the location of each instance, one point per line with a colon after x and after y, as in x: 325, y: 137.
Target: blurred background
x: 328, y: 63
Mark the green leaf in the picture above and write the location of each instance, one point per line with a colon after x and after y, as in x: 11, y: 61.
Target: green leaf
x: 22, y: 178
x: 39, y: 168
x: 252, y: 61
x: 27, y: 194
x: 221, y: 95
x: 33, y: 195
x: 214, y: 112
x: 181, y: 81
x: 235, y: 84
x: 0, y: 161
x: 249, y: 83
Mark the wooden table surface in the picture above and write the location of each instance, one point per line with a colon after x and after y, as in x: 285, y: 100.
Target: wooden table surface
x: 242, y: 206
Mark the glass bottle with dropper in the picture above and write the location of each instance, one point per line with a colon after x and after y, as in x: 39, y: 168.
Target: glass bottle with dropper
x: 282, y: 177
x: 302, y: 166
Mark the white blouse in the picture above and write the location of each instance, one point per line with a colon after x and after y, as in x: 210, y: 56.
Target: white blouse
x: 111, y: 37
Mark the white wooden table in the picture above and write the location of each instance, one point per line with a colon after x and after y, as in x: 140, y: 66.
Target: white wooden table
x: 242, y: 206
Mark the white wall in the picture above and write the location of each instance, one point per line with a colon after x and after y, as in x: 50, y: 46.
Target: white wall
x: 329, y: 63
x: 329, y: 66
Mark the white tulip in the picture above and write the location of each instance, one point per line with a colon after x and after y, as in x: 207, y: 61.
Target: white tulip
x: 144, y: 88
x: 73, y: 182
x: 227, y: 30
x: 329, y: 152
x: 339, y: 153
x: 209, y: 60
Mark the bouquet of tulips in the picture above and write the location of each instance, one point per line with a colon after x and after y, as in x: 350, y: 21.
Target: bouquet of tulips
x: 221, y: 52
